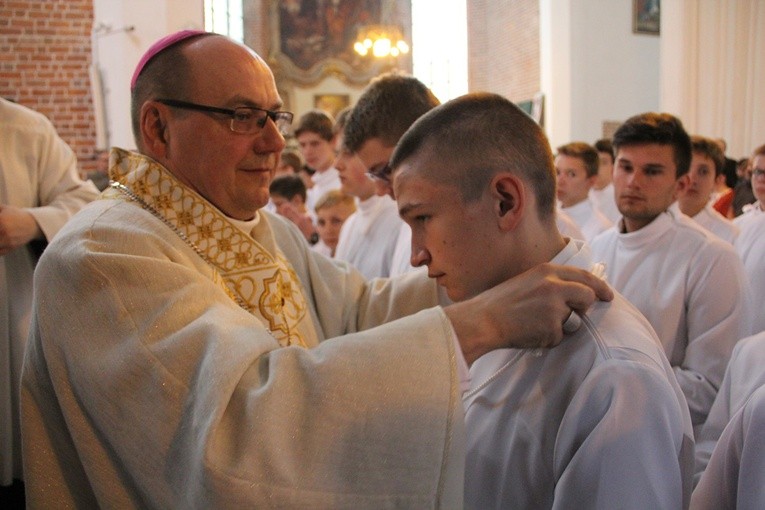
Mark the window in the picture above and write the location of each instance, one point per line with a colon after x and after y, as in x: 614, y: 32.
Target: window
x: 225, y: 17
x: 439, y: 50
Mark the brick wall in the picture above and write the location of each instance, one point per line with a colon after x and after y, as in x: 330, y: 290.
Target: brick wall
x: 45, y: 51
x: 503, y: 47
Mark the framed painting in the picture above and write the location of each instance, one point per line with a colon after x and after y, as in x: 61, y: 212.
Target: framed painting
x: 331, y: 103
x: 646, y: 16
x: 311, y: 40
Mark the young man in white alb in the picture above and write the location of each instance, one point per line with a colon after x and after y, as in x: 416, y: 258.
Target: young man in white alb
x: 368, y: 237
x: 600, y: 421
x: 602, y: 192
x: 750, y: 244
x: 688, y: 283
x: 694, y: 195
x: 316, y: 141
x: 576, y: 166
x: 385, y: 110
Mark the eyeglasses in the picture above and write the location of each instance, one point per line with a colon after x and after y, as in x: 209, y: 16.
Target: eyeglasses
x: 380, y: 172
x: 244, y: 119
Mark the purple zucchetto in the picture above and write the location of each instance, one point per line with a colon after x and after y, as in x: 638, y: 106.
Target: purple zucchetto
x: 160, y: 46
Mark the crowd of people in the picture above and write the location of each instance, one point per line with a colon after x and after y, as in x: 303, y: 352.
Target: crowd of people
x: 418, y: 305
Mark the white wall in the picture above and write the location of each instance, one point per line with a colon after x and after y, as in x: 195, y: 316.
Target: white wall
x: 593, y: 68
x: 117, y: 53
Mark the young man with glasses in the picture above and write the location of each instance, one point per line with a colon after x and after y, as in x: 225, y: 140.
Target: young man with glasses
x: 750, y: 243
x: 385, y: 110
x: 178, y: 356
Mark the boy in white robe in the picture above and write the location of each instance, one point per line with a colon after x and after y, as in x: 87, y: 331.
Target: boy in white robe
x: 694, y: 194
x: 174, y: 359
x: 385, y: 110
x: 750, y: 244
x: 576, y: 167
x: 688, y: 283
x: 600, y: 422
x: 368, y: 237
x: 602, y: 193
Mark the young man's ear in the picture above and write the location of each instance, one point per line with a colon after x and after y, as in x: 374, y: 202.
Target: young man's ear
x: 154, y: 132
x: 508, y: 192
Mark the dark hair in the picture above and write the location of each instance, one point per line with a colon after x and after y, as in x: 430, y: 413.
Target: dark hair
x: 659, y: 128
x: 711, y: 149
x: 288, y: 186
x: 605, y: 145
x: 165, y: 76
x: 315, y: 121
x: 583, y: 151
x: 386, y: 109
x: 470, y: 139
x: 341, y: 119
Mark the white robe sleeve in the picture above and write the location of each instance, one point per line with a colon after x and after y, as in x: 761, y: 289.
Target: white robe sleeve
x: 601, y: 458
x: 716, y: 319
x: 735, y: 476
x: 60, y: 190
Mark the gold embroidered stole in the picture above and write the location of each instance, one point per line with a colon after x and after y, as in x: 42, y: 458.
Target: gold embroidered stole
x: 261, y: 281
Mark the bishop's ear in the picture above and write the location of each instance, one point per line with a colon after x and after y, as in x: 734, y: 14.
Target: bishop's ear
x: 153, y: 126
x: 509, y: 198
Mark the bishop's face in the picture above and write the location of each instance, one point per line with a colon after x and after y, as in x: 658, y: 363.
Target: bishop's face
x: 231, y: 170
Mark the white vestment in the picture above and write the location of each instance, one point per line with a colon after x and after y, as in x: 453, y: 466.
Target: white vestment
x: 713, y: 221
x: 605, y: 201
x: 148, y: 383
x: 38, y: 172
x: 716, y: 223
x: 745, y: 373
x: 368, y: 237
x: 588, y: 218
x: 597, y: 422
x: 322, y: 182
x: 690, y: 285
x: 735, y: 476
x: 750, y: 246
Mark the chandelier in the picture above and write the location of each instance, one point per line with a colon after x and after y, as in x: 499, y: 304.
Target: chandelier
x: 380, y: 40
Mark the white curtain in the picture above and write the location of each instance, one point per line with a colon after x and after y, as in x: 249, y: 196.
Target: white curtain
x: 713, y: 69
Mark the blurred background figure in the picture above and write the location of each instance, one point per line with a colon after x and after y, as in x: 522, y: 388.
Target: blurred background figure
x: 41, y: 189
x: 288, y: 195
x: 332, y: 209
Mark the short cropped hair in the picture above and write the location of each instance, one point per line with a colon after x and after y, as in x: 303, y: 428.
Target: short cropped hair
x: 659, y: 128
x: 316, y: 121
x: 606, y: 146
x: 711, y: 149
x: 472, y: 138
x: 386, y: 109
x: 166, y: 75
x: 288, y: 186
x: 583, y: 151
x: 334, y: 197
